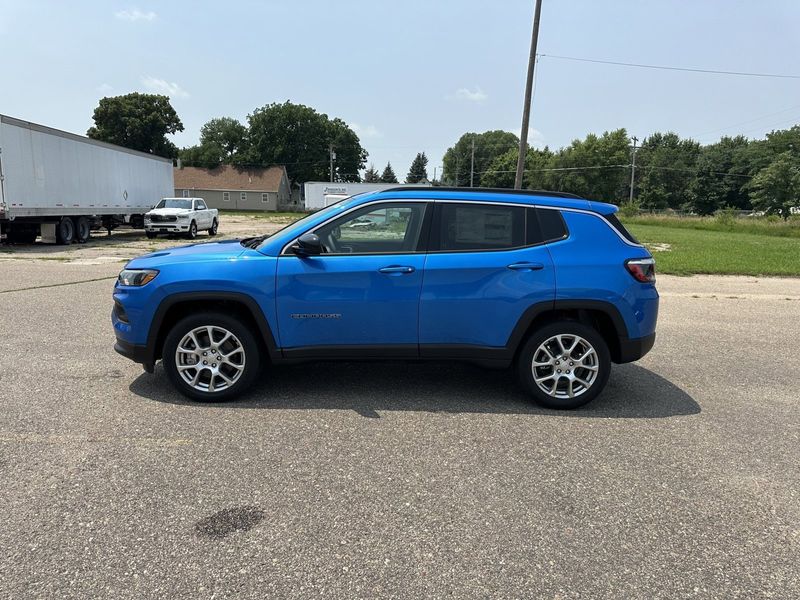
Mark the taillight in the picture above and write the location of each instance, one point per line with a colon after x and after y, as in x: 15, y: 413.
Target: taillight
x: 642, y: 269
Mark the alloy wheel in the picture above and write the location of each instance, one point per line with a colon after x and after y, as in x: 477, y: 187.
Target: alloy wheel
x: 565, y: 366
x: 210, y: 359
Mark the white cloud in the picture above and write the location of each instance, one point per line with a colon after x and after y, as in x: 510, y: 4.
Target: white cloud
x: 476, y: 95
x: 536, y: 138
x: 161, y: 86
x: 370, y: 131
x: 134, y: 14
x: 104, y: 88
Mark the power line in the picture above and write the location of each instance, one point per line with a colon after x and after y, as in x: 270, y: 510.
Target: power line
x: 667, y: 68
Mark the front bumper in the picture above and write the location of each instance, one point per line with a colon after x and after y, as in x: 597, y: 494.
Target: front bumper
x: 634, y: 349
x: 166, y: 227
x: 136, y: 353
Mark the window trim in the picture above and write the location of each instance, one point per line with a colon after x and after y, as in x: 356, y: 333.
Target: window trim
x: 186, y: 194
x: 436, y: 201
x: 265, y: 197
x: 242, y: 196
x: 226, y: 196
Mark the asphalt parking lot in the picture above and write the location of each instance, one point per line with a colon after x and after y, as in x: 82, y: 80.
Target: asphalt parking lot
x: 397, y: 480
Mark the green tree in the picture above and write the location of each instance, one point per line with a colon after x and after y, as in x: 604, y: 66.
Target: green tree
x: 299, y: 137
x: 665, y: 168
x: 418, y: 170
x: 388, y: 175
x: 723, y: 170
x: 137, y: 121
x: 502, y: 170
x: 596, y: 167
x: 488, y: 146
x: 371, y: 175
x: 776, y: 188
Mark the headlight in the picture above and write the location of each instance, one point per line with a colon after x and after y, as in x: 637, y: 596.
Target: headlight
x: 183, y: 217
x: 147, y: 217
x: 137, y: 277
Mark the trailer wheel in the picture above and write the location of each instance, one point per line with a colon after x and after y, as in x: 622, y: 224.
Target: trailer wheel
x: 82, y: 229
x: 65, y: 232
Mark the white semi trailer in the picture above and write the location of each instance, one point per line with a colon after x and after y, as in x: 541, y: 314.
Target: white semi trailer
x: 61, y: 186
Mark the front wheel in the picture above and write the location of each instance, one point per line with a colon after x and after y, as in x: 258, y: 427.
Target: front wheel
x: 211, y: 357
x: 214, y: 227
x: 192, y: 231
x: 564, y: 365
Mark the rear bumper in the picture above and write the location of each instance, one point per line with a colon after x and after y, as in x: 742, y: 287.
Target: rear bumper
x: 634, y: 349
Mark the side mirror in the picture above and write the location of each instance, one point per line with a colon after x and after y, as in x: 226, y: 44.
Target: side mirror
x: 308, y: 244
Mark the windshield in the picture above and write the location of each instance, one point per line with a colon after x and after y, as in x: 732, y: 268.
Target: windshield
x: 299, y: 224
x: 175, y: 203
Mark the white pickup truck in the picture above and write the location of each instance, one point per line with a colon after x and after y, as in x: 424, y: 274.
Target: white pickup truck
x: 181, y: 215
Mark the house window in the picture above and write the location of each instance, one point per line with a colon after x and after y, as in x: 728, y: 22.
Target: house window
x: 226, y: 196
x: 265, y: 197
x: 185, y: 193
x: 243, y: 197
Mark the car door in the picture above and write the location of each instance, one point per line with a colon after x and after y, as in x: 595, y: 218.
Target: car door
x: 486, y: 266
x: 203, y: 214
x: 361, y: 296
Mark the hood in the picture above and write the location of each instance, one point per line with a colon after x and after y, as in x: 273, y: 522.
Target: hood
x: 169, y: 211
x: 210, y: 251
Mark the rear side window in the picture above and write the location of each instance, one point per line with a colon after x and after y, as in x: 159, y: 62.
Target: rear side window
x: 478, y: 227
x: 545, y: 225
x: 617, y: 224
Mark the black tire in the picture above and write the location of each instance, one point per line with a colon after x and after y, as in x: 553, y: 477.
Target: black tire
x: 82, y: 230
x: 561, y: 383
x: 192, y: 231
x: 150, y: 234
x: 249, y: 347
x: 214, y: 227
x: 65, y: 231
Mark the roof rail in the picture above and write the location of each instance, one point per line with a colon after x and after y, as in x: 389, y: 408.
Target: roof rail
x: 490, y: 190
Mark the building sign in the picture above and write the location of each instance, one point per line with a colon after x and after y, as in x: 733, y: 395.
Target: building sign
x: 332, y: 189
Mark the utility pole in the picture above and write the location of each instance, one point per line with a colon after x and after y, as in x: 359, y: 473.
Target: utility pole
x: 526, y: 110
x: 633, y: 165
x: 333, y: 157
x: 472, y: 164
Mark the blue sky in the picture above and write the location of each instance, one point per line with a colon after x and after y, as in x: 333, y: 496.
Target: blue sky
x: 410, y: 76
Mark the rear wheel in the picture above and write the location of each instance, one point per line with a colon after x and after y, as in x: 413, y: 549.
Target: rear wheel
x: 564, y: 365
x: 211, y: 357
x: 82, y: 229
x: 65, y: 231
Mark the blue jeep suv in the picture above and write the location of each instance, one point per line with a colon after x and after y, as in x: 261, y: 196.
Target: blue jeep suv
x: 549, y: 282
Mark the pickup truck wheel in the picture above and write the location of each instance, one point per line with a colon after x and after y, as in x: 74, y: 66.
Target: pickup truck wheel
x: 65, y: 231
x: 192, y: 231
x: 564, y: 365
x: 211, y: 357
x: 214, y: 227
x: 150, y: 234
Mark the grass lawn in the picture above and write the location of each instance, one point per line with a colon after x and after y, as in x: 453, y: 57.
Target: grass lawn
x: 701, y: 250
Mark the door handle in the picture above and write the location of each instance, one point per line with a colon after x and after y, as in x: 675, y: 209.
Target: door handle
x: 396, y: 269
x: 526, y: 266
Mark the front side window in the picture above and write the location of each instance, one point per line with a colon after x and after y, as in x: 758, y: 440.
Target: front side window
x: 382, y: 228
x: 460, y: 227
x: 200, y: 205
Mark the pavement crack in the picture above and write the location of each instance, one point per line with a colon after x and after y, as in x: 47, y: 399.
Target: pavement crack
x: 53, y: 285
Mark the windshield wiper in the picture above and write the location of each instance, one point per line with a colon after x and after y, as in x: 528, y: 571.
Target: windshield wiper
x: 254, y: 242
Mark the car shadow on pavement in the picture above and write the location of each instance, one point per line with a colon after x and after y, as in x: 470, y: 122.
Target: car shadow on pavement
x: 633, y: 392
